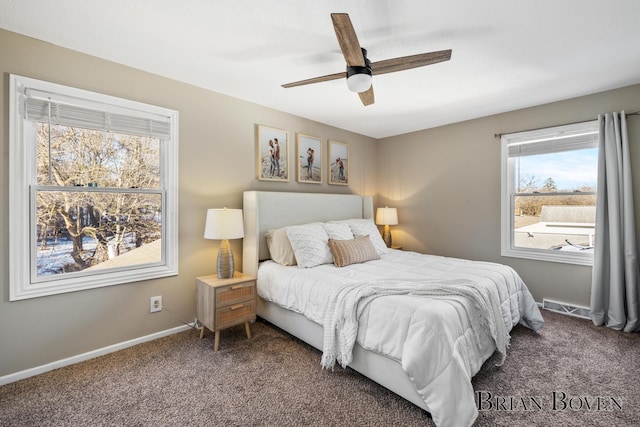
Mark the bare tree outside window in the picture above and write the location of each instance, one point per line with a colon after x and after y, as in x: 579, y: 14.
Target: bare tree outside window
x: 97, y: 198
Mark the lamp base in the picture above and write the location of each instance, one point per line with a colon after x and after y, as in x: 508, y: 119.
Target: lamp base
x: 225, y: 261
x: 386, y: 236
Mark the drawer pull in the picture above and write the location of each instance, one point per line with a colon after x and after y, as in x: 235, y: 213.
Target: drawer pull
x: 236, y: 306
x: 237, y: 286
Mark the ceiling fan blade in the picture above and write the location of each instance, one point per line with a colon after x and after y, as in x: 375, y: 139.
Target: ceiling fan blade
x: 347, y: 39
x: 367, y: 96
x: 320, y: 79
x: 408, y: 62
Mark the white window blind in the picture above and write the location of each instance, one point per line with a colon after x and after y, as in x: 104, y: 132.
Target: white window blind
x: 69, y: 111
x: 549, y: 140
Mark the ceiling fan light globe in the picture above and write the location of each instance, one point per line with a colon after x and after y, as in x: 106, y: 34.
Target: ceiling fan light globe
x: 359, y: 82
x: 358, y: 78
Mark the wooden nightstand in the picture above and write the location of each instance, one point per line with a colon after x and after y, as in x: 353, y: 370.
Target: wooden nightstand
x: 222, y: 303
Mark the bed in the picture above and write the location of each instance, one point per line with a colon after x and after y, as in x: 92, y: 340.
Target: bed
x: 424, y: 348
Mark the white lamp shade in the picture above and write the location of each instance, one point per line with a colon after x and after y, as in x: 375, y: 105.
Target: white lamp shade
x: 224, y: 224
x: 359, y: 82
x: 387, y: 216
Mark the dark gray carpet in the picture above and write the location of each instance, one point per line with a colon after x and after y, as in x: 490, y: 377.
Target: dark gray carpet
x: 274, y: 379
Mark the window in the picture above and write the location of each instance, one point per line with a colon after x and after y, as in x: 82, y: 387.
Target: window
x: 549, y: 179
x: 93, y: 190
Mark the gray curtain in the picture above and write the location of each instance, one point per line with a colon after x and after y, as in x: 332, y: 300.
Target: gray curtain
x: 614, y: 286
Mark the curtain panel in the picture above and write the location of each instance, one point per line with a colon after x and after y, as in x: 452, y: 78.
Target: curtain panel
x: 614, y: 287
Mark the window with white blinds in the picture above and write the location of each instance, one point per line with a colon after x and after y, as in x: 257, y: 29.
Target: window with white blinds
x: 549, y: 192
x: 93, y: 189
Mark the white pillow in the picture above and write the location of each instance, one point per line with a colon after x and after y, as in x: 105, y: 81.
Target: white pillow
x: 338, y: 231
x: 279, y: 247
x: 310, y: 244
x: 366, y: 227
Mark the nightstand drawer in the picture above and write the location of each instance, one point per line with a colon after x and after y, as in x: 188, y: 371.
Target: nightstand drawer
x: 232, y: 294
x: 235, y: 314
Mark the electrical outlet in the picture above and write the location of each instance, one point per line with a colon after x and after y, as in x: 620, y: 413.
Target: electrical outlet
x: 155, y: 304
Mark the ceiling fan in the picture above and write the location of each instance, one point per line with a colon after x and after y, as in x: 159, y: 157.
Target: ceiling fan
x: 360, y: 69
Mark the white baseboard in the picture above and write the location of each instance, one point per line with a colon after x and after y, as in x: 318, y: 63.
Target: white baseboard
x: 17, y: 376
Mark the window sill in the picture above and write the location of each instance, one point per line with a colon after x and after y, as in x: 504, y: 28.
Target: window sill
x: 564, y: 257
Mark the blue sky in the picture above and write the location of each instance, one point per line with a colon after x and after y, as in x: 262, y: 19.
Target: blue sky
x: 569, y: 169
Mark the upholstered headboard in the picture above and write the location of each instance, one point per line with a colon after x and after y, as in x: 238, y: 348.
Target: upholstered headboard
x: 266, y: 210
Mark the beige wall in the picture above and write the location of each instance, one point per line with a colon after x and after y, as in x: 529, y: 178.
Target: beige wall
x: 217, y: 152
x: 445, y: 183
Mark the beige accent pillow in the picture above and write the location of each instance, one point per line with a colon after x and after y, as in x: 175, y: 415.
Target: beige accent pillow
x: 280, y: 247
x: 354, y: 251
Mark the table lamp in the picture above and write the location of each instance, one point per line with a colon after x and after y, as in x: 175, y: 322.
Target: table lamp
x: 387, y: 216
x: 224, y: 224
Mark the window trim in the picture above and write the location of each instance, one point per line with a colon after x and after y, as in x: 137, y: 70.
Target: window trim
x: 507, y: 247
x: 22, y: 182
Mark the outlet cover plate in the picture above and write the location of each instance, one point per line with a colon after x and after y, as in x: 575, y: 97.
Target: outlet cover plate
x: 155, y: 304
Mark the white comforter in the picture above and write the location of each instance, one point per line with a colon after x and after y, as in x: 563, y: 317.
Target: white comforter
x: 433, y: 339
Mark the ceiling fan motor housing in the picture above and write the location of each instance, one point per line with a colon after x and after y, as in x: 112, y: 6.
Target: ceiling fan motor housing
x: 357, y: 70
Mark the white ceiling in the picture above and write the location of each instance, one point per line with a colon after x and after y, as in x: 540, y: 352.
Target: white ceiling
x: 507, y: 54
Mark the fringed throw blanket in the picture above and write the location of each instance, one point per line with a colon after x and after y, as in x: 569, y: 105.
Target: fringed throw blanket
x: 340, y: 319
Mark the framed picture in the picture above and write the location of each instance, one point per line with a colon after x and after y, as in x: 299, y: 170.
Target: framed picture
x: 309, y: 159
x: 338, y: 163
x: 272, y: 154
